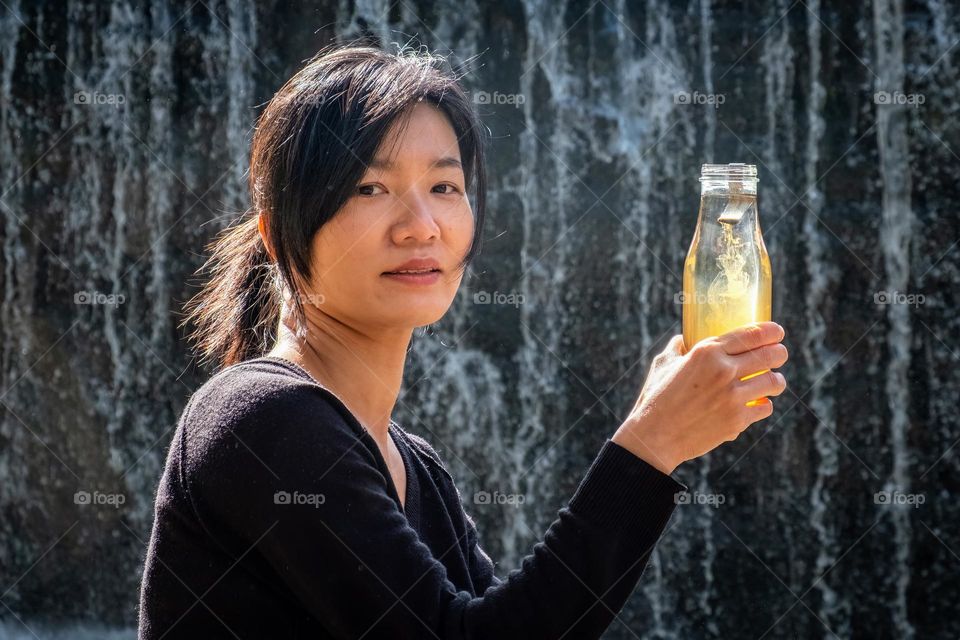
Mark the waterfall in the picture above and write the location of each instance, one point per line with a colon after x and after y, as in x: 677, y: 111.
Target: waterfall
x: 240, y: 32
x: 834, y: 611
x: 945, y: 37
x: 895, y: 237
x: 16, y: 280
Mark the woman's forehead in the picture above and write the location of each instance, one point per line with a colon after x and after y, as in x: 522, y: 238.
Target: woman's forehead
x: 424, y: 128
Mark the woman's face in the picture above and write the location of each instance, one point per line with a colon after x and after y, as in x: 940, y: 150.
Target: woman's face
x: 410, y: 204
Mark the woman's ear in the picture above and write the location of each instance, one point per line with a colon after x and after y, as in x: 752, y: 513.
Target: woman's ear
x: 262, y: 226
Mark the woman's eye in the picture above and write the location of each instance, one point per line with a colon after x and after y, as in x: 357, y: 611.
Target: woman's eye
x: 450, y: 188
x: 371, y: 189
x: 367, y: 189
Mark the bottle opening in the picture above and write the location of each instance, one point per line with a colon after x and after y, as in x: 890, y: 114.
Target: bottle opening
x: 732, y: 171
x: 734, y: 179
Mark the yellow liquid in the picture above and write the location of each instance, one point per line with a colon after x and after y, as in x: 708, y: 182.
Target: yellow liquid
x: 727, y: 278
x: 734, y: 292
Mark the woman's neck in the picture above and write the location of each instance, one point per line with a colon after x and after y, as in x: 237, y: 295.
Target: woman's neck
x: 363, y: 368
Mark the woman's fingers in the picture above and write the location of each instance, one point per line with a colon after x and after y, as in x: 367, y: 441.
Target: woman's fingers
x: 770, y: 356
x: 750, y: 337
x: 771, y: 383
x: 757, y: 410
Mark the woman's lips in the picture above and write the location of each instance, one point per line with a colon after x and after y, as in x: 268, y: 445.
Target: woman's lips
x: 417, y: 278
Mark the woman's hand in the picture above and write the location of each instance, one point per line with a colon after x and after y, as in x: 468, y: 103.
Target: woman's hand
x: 694, y: 401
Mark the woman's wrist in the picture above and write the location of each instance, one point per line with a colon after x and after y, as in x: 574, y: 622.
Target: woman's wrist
x: 644, y: 444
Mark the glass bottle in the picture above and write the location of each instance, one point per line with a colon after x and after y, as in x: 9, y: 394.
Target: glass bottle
x: 727, y: 280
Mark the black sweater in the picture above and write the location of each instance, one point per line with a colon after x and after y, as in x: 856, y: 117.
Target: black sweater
x: 276, y: 517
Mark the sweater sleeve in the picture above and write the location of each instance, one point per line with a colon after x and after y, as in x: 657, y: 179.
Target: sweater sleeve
x: 285, y: 475
x: 480, y: 565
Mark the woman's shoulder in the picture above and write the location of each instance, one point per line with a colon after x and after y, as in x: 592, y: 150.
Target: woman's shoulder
x: 257, y: 430
x: 425, y: 451
x: 260, y: 395
x: 260, y: 422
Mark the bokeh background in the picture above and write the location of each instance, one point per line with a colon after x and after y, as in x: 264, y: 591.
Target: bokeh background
x: 124, y: 133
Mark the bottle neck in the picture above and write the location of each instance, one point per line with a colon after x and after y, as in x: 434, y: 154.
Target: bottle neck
x: 728, y: 205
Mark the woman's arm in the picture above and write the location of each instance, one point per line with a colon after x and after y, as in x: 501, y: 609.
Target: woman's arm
x: 347, y: 553
x: 480, y: 565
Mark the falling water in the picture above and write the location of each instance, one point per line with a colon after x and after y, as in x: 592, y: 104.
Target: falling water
x: 834, y: 611
x: 895, y: 238
x: 543, y: 260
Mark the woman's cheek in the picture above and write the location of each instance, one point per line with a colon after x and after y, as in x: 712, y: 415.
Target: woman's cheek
x: 465, y: 228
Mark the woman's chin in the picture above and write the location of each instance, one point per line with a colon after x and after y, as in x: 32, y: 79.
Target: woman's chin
x: 425, y: 318
x: 407, y: 314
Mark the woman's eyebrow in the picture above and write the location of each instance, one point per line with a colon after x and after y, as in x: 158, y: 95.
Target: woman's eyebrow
x: 440, y: 163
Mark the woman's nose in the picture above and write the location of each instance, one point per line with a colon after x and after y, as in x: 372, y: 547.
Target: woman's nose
x: 417, y: 220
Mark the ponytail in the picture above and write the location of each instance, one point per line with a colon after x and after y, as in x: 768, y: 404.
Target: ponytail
x: 236, y: 313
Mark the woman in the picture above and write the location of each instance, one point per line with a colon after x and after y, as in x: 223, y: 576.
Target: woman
x: 291, y: 505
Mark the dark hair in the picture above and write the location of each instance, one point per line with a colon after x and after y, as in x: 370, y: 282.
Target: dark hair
x: 312, y: 145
